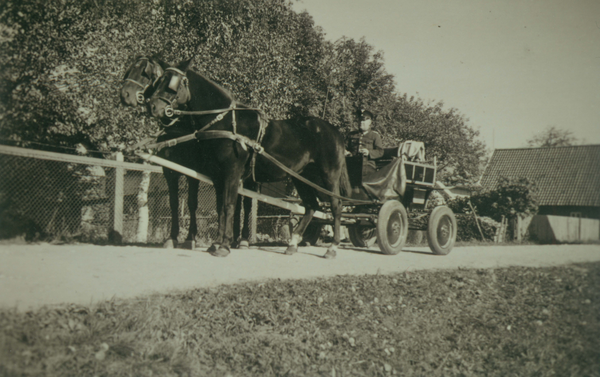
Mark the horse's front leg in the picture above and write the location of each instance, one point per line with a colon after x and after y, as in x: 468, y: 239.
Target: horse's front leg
x: 244, y: 241
x: 241, y: 226
x: 218, y: 185
x: 172, y: 179
x: 192, y: 207
x: 228, y: 196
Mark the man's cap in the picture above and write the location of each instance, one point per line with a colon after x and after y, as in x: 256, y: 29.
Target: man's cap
x: 366, y: 114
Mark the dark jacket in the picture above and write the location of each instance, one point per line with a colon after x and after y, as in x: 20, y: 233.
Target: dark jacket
x: 370, y: 140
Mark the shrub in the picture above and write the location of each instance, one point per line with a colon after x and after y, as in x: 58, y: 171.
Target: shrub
x: 510, y: 198
x: 468, y: 231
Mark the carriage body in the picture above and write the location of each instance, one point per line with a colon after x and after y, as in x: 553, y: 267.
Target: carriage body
x: 388, y: 218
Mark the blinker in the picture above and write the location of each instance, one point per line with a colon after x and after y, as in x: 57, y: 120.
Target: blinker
x: 174, y: 83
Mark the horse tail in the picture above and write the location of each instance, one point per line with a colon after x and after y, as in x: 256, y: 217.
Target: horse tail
x: 345, y: 187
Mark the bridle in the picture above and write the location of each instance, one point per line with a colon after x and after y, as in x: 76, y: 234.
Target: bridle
x: 174, y: 84
x: 139, y: 95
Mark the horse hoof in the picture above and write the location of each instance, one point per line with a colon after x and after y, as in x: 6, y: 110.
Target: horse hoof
x: 291, y: 250
x: 244, y: 244
x: 189, y: 244
x: 170, y: 244
x: 330, y: 254
x: 220, y: 252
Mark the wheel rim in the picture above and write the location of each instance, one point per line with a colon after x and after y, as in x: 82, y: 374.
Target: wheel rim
x: 394, y: 229
x: 444, y: 231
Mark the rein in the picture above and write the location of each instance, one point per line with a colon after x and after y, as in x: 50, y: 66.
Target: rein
x: 258, y: 148
x: 245, y: 142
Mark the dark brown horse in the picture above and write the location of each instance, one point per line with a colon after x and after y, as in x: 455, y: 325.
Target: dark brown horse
x: 137, y: 87
x: 229, y: 135
x: 139, y: 78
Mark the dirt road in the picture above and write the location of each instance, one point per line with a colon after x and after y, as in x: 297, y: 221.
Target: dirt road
x: 35, y: 275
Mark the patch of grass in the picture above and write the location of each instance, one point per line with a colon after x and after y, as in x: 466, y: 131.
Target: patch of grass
x: 513, y: 321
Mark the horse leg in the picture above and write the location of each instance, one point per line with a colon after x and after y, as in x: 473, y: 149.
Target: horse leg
x: 192, y: 207
x: 172, y: 179
x: 218, y: 185
x: 240, y: 225
x: 245, y: 240
x: 245, y: 236
x: 309, y: 201
x: 229, y: 195
x: 237, y: 223
x: 336, y: 210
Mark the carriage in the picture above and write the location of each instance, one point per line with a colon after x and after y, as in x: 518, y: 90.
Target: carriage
x: 235, y: 141
x: 398, y: 195
x: 382, y: 208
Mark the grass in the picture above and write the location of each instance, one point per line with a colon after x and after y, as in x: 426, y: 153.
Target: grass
x: 502, y: 322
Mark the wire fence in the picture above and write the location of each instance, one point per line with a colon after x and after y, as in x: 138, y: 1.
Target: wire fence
x: 54, y: 196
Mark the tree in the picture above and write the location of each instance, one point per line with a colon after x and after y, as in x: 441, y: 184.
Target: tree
x: 63, y: 63
x: 552, y: 137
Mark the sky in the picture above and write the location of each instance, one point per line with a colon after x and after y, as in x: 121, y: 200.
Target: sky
x: 513, y: 67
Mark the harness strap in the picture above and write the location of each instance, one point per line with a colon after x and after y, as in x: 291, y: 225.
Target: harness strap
x: 207, y: 135
x: 147, y: 140
x: 207, y: 112
x: 171, y: 142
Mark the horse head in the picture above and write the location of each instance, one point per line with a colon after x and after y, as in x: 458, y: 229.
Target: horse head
x: 180, y: 88
x: 140, y: 76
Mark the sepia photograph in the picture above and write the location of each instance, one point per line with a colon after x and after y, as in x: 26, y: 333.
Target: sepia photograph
x: 299, y: 188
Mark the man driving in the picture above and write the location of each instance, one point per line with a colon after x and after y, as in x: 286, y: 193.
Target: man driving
x: 365, y: 142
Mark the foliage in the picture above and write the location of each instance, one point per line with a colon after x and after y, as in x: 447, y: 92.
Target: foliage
x: 468, y: 230
x: 498, y: 322
x: 510, y: 198
x: 552, y: 137
x: 63, y: 63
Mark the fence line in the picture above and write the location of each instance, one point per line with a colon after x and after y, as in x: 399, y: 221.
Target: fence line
x: 49, y: 195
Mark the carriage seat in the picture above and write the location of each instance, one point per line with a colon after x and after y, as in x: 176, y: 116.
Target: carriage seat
x: 411, y: 150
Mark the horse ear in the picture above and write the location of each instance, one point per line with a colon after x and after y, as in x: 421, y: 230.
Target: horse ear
x: 185, y: 65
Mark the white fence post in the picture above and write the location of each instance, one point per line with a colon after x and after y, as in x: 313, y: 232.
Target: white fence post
x: 119, y: 194
x: 253, y: 221
x: 143, y: 211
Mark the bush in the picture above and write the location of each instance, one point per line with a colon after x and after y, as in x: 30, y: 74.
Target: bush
x: 510, y: 198
x: 468, y: 231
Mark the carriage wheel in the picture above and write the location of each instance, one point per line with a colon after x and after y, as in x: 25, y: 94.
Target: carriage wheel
x: 312, y: 233
x: 392, y: 227
x: 362, y: 235
x: 441, y: 230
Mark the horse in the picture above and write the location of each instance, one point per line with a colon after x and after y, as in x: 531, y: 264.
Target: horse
x: 233, y: 138
x: 139, y: 79
x: 137, y: 87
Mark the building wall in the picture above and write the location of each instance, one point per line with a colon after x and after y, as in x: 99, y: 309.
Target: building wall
x: 571, y: 211
x: 548, y: 229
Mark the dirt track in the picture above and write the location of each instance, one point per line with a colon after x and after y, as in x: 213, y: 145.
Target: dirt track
x: 35, y: 275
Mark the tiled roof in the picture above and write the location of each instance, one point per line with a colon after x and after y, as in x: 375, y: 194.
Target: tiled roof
x: 564, y: 176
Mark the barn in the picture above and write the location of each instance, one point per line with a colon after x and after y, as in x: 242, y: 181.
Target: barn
x: 567, y: 179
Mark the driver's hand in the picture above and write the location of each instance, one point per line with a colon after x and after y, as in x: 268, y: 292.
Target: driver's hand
x: 347, y: 153
x: 364, y: 151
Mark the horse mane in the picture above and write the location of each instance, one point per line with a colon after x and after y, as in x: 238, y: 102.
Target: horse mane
x: 157, y: 59
x: 217, y: 86
x: 221, y: 90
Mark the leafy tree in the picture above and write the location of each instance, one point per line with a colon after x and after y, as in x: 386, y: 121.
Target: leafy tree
x: 63, y: 64
x: 552, y: 137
